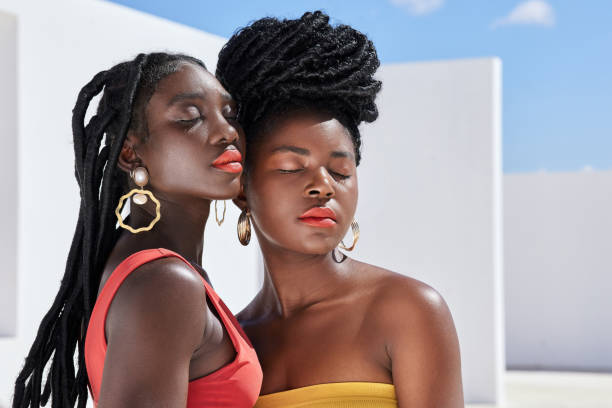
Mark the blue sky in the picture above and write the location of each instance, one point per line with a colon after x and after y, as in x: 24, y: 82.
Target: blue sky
x: 557, y: 59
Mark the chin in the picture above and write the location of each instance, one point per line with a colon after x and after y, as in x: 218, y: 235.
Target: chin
x: 225, y: 192
x: 319, y: 247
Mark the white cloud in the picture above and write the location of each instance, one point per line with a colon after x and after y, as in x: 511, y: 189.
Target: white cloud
x: 419, y: 7
x: 588, y: 168
x: 534, y: 12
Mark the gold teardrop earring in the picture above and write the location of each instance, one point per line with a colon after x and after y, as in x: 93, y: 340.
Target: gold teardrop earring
x: 244, y: 227
x: 140, y: 175
x: 219, y: 222
x: 355, y: 229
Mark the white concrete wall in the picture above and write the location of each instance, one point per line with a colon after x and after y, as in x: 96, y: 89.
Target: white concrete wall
x: 430, y: 198
x: 60, y: 46
x: 8, y: 174
x: 558, y: 264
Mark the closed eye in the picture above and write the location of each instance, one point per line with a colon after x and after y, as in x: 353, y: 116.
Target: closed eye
x: 339, y: 176
x: 289, y: 171
x: 190, y: 121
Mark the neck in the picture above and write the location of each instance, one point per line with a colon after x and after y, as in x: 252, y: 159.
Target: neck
x: 295, y: 281
x: 180, y: 228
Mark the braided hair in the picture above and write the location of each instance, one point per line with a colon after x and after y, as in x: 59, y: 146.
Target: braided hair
x: 273, y: 67
x: 127, y: 88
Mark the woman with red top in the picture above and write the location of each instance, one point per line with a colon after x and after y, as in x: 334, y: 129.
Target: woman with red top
x: 149, y: 329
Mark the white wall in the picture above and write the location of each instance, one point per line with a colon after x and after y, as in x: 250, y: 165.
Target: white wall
x: 558, y: 263
x: 60, y: 46
x: 430, y: 198
x: 8, y: 173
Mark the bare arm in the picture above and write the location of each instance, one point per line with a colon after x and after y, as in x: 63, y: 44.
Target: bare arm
x: 154, y: 325
x: 423, y: 348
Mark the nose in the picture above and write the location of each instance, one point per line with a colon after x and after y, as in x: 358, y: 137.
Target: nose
x: 223, y: 132
x: 321, y: 185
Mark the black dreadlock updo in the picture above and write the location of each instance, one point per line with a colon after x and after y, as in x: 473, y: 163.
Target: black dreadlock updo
x: 127, y: 88
x: 273, y: 67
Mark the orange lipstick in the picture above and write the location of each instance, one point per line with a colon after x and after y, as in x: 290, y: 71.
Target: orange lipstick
x: 319, y: 217
x: 230, y: 161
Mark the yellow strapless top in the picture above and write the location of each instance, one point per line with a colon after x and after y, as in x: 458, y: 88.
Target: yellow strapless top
x: 333, y: 395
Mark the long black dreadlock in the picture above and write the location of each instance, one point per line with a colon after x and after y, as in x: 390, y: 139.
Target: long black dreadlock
x: 273, y: 67
x: 127, y: 88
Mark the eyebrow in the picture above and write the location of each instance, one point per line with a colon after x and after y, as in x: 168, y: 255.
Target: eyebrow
x: 185, y: 96
x: 343, y: 154
x: 293, y: 149
x: 305, y: 152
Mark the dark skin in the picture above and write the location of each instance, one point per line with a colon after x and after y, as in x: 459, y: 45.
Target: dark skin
x: 317, y: 320
x: 161, y: 330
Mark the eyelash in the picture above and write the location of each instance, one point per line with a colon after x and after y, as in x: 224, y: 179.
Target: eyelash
x: 340, y: 176
x: 334, y: 174
x: 194, y: 120
x: 191, y: 121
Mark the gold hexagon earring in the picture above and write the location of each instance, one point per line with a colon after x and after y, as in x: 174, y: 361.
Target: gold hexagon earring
x: 355, y: 229
x: 140, y: 175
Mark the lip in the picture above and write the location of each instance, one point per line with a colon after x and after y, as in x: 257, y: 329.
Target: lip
x: 319, y: 217
x: 230, y: 161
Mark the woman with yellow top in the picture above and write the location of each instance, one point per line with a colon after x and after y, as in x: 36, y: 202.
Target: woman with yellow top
x: 329, y: 331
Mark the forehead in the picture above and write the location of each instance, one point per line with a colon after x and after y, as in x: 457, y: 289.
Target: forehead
x: 311, y: 131
x: 188, y: 79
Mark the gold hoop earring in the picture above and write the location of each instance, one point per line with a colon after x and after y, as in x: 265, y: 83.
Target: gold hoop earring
x: 219, y: 222
x: 140, y: 175
x: 355, y: 229
x: 244, y: 227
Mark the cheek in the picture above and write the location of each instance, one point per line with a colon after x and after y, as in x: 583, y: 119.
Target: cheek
x: 184, y: 167
x: 273, y: 206
x: 268, y: 199
x: 347, y: 195
x: 172, y: 169
x: 175, y: 157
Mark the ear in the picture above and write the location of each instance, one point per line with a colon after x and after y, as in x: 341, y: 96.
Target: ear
x: 128, y: 158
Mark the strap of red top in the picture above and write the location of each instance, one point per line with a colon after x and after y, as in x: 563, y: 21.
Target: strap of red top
x: 140, y: 258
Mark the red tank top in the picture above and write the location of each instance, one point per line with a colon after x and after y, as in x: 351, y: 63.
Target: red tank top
x: 236, y: 384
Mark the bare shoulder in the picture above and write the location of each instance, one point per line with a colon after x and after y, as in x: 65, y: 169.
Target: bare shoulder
x: 162, y: 280
x: 153, y: 327
x: 398, y: 300
x: 165, y: 294
x: 418, y: 337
